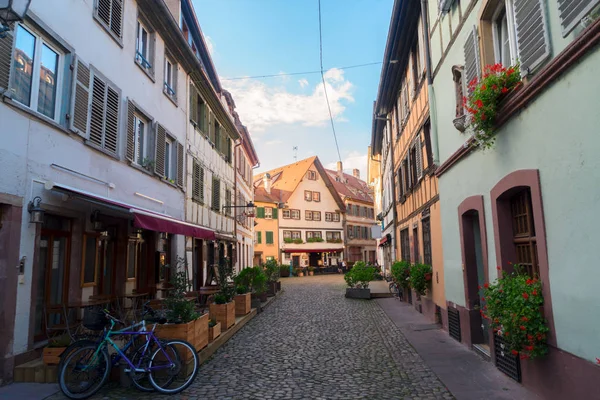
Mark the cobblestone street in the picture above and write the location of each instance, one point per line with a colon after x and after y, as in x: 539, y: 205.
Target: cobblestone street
x: 312, y: 343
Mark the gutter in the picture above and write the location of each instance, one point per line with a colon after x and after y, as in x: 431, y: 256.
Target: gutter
x: 435, y: 149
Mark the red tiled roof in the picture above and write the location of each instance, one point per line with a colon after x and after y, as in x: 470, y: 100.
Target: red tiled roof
x: 350, y: 187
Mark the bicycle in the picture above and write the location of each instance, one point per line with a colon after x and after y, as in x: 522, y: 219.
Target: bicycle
x: 160, y: 367
x: 396, y: 290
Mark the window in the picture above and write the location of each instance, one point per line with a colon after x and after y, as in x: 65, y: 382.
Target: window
x: 268, y: 213
x: 89, y: 269
x: 296, y: 235
x: 140, y: 140
x: 169, y: 160
x: 459, y: 90
x: 170, y: 85
x: 169, y: 148
x: 198, y: 183
x: 259, y: 237
x: 503, y: 33
x: 132, y: 250
x: 524, y: 237
x: 426, y: 231
x: 349, y: 209
x: 316, y: 196
x: 198, y: 111
x: 405, y: 245
x: 269, y: 237
x: 216, y: 194
x: 269, y: 258
x: 316, y: 215
x: 571, y: 13
x: 308, y: 195
x: 350, y: 231
x: 312, y: 175
x: 110, y: 15
x: 355, y: 210
x: 308, y: 215
x: 228, y: 201
x: 417, y: 255
x: 333, y: 236
x: 336, y: 217
x: 144, y: 47
x: 286, y: 214
x: 36, y: 77
x: 104, y: 119
x: 295, y: 214
x: 328, y: 217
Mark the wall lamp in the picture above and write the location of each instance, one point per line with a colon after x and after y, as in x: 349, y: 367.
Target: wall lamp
x: 97, y: 224
x: 36, y: 212
x: 11, y: 11
x: 249, y: 205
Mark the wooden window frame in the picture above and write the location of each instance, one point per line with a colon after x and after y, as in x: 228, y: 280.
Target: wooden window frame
x: 328, y: 217
x: 315, y: 213
x: 336, y: 217
x: 312, y: 175
x: 307, y: 195
x: 297, y: 212
x: 289, y: 214
x: 316, y: 196
x: 308, y: 215
x: 83, y: 254
x: 268, y: 212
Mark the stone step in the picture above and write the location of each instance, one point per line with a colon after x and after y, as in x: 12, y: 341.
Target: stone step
x: 36, y: 371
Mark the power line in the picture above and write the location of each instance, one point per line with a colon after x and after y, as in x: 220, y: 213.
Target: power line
x: 298, y: 73
x: 325, y: 86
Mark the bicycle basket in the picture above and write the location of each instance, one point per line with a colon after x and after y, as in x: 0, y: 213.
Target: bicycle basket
x: 93, y: 319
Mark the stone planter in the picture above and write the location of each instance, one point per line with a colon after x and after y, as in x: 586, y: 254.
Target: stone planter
x: 223, y: 313
x: 51, y: 355
x: 242, y: 304
x: 355, y: 293
x: 214, y: 332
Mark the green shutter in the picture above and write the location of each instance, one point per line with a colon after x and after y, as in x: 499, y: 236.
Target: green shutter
x: 260, y: 212
x: 259, y: 237
x: 274, y: 213
x: 269, y: 237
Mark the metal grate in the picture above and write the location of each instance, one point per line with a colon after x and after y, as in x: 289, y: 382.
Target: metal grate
x: 505, y: 361
x: 454, y: 323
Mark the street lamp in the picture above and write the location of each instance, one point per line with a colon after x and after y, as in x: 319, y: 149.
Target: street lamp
x: 36, y: 212
x: 12, y: 11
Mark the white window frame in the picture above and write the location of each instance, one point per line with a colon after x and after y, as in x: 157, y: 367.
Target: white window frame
x: 170, y: 158
x: 35, y: 83
x: 284, y: 212
x: 296, y: 235
x: 328, y: 217
x: 170, y: 89
x: 296, y: 213
x: 312, y: 175
x: 136, y: 149
x: 140, y: 58
x: 268, y: 213
x: 336, y: 217
x: 287, y: 234
x: 512, y: 32
x: 307, y: 195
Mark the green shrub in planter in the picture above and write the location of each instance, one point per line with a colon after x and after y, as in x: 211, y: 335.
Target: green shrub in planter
x: 420, y: 278
x: 360, y: 275
x: 220, y: 298
x: 401, y: 273
x: 241, y: 289
x: 284, y: 271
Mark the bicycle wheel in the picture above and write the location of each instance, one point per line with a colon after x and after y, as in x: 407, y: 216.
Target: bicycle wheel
x: 84, y: 372
x: 392, y: 287
x: 171, y: 376
x: 71, y: 348
x: 141, y: 359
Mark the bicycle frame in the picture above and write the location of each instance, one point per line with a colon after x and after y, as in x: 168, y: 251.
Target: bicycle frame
x: 121, y: 352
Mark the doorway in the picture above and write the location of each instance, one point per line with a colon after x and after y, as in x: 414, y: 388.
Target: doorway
x: 313, y: 259
x: 198, y: 263
x: 295, y: 261
x: 107, y: 250
x: 53, y: 270
x: 475, y: 279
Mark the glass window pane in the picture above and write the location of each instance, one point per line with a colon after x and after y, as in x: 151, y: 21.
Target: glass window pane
x: 168, y: 160
x: 131, y: 260
x: 48, y: 77
x: 89, y: 268
x: 23, y: 65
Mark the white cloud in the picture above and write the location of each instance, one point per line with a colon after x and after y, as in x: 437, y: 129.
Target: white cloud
x: 273, y: 142
x: 303, y: 83
x: 211, y: 45
x: 354, y: 160
x: 261, y: 105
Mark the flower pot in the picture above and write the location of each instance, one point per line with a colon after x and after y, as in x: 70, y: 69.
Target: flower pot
x: 51, y: 355
x: 223, y: 313
x: 300, y: 274
x: 311, y: 273
x: 214, y: 332
x: 242, y: 304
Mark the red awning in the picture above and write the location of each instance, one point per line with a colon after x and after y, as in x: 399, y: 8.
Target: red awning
x: 142, y: 218
x: 312, y: 250
x: 383, y: 241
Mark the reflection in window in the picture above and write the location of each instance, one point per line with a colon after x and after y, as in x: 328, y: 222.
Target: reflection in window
x: 48, y: 73
x: 23, y: 64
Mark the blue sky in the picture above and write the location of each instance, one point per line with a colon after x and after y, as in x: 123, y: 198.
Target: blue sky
x: 260, y: 37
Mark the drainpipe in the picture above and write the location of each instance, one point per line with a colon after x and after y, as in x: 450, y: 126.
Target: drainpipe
x: 431, y: 93
x: 235, y: 178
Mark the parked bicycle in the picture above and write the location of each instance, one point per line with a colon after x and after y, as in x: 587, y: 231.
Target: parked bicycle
x: 395, y: 289
x: 170, y: 366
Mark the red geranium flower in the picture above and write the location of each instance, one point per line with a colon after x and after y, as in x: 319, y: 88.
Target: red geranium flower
x: 514, y: 352
x: 487, y: 285
x: 522, y: 328
x: 483, y: 87
x: 525, y: 319
x: 597, y: 360
x: 504, y: 90
x: 483, y: 117
x: 479, y: 103
x: 494, y: 87
x: 529, y: 281
x: 525, y: 295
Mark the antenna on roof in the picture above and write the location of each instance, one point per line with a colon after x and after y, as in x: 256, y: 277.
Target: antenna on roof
x: 295, y: 150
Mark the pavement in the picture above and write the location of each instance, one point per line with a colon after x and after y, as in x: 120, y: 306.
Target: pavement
x: 313, y: 343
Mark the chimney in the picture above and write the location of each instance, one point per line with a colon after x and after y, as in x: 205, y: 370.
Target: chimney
x: 267, y: 183
x: 356, y: 173
x: 339, y: 166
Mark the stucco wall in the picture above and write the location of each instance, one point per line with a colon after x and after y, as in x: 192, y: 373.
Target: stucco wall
x: 264, y: 225
x: 555, y: 134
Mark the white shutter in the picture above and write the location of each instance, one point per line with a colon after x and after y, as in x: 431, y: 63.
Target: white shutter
x: 6, y: 52
x: 80, y: 98
x: 159, y: 155
x: 130, y: 132
x: 532, y: 34
x: 471, y: 49
x: 573, y: 11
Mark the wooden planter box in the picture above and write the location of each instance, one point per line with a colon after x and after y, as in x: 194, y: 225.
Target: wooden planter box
x: 242, y: 304
x: 214, y: 332
x: 223, y: 313
x: 278, y: 285
x: 194, y: 332
x: 271, y: 289
x: 201, y: 332
x: 51, y: 355
x: 354, y: 293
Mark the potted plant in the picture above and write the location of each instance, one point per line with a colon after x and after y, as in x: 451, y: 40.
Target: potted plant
x: 243, y: 300
x: 223, y: 308
x: 358, y: 279
x: 183, y: 322
x: 420, y: 278
x: 56, y: 346
x: 514, y: 306
x: 214, y: 330
x: 311, y: 270
x: 401, y: 273
x: 284, y: 271
x: 297, y: 241
x: 300, y: 272
x: 271, y: 271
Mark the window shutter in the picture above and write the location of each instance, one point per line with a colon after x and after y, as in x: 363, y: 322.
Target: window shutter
x: 573, y: 11
x: 274, y: 213
x: 269, y: 237
x: 111, y: 13
x: 259, y: 237
x: 260, y: 212
x: 216, y: 195
x: 130, y: 131
x: 532, y: 34
x: 6, y: 51
x: 472, y: 63
x: 80, y: 98
x: 98, y: 111
x: 409, y: 183
x: 211, y: 128
x: 194, y: 106
x: 419, y: 160
x: 111, y: 128
x: 196, y: 181
x: 180, y: 164
x: 159, y: 158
